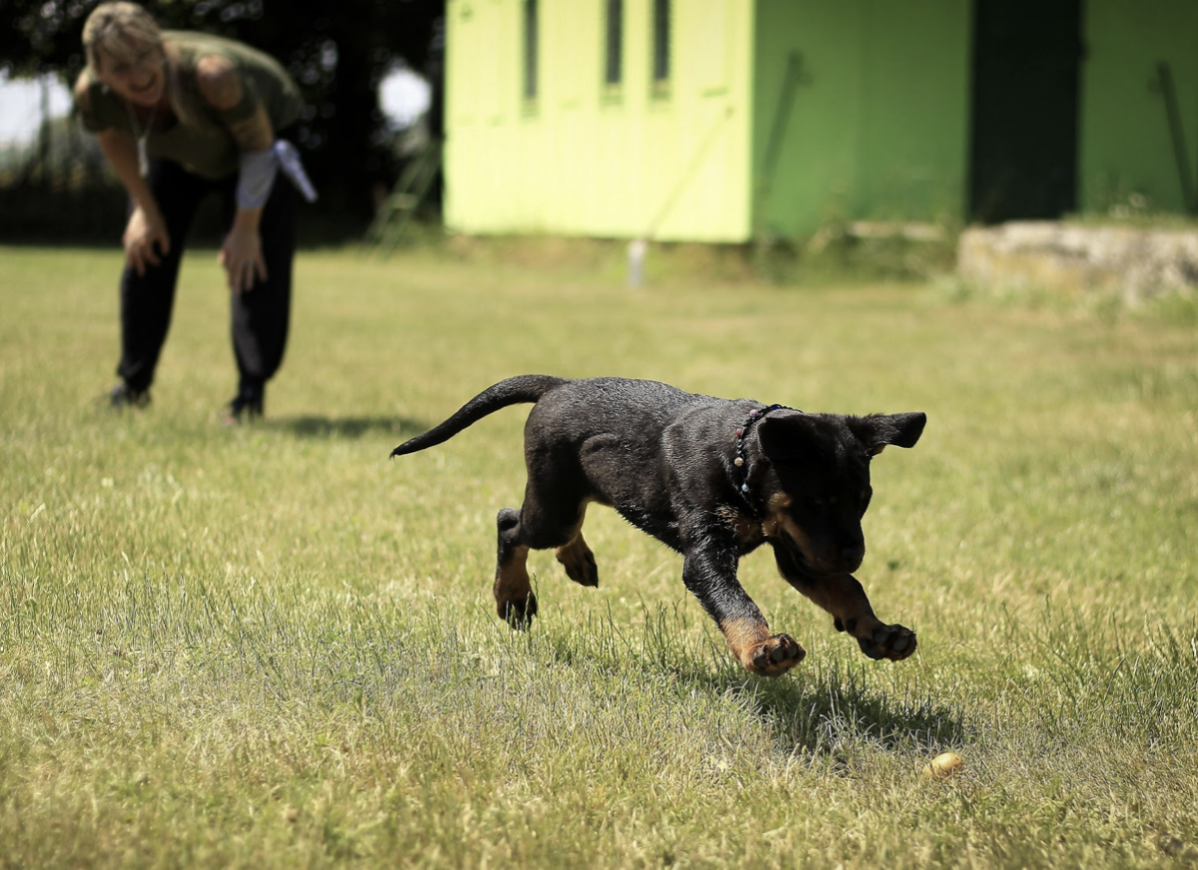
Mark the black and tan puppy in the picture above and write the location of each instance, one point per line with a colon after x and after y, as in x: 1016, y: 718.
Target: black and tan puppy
x: 712, y: 478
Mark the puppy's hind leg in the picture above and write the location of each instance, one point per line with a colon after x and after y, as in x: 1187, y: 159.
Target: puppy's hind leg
x: 551, y: 516
x: 578, y: 560
x: 514, y: 598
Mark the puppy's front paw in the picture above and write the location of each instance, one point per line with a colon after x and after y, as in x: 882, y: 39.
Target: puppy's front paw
x: 774, y: 656
x: 893, y: 642
x: 518, y: 612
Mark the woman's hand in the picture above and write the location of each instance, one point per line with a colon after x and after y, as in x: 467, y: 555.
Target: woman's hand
x: 241, y: 257
x: 146, y: 240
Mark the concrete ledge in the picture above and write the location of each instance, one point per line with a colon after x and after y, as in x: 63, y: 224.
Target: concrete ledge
x: 1135, y: 264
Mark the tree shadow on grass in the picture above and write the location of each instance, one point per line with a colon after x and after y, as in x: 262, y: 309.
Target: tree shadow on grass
x: 328, y: 428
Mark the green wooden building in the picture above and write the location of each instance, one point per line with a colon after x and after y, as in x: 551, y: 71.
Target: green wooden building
x: 729, y: 120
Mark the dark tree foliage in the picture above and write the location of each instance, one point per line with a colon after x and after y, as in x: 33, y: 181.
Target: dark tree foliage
x: 338, y: 52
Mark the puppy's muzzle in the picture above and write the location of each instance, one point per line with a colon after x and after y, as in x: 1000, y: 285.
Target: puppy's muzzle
x: 846, y: 560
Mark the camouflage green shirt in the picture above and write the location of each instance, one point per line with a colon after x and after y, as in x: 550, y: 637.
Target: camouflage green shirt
x: 204, y: 145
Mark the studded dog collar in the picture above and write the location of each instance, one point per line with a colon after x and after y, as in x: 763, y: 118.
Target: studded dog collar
x: 741, y: 461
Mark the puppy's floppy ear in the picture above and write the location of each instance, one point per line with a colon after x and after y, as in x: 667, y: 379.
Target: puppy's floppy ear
x: 878, y: 430
x: 787, y: 437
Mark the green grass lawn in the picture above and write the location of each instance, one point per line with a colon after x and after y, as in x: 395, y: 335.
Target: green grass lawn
x: 271, y: 646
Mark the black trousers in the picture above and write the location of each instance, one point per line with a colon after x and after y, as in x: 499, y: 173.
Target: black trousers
x: 260, y: 317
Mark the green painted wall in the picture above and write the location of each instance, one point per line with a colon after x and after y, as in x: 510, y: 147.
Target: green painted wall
x: 1126, y: 148
x: 877, y: 127
x: 580, y: 159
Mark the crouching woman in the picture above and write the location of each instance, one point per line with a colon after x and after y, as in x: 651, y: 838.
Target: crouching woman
x: 181, y: 115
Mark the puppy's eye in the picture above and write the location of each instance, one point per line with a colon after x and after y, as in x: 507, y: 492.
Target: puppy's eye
x: 818, y: 502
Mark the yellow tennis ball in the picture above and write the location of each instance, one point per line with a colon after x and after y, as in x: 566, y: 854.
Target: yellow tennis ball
x: 944, y: 765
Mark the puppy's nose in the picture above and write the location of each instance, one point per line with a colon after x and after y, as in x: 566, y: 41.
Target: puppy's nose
x: 852, y: 557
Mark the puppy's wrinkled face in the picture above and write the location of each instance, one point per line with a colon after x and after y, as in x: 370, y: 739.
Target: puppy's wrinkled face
x: 819, y: 485
x: 816, y: 512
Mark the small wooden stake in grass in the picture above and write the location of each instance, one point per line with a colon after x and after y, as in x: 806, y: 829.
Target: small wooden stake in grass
x: 944, y: 765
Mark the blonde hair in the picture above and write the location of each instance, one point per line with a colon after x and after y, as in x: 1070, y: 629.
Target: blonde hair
x: 122, y: 30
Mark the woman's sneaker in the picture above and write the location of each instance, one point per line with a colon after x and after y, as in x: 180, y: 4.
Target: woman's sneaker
x: 244, y: 408
x: 123, y: 396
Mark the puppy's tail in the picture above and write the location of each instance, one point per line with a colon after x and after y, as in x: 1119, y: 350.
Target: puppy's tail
x: 513, y: 391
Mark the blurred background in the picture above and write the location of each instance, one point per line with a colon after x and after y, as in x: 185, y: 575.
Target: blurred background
x: 777, y: 124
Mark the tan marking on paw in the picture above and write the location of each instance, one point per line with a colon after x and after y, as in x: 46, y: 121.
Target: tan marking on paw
x: 511, y: 580
x: 743, y: 635
x: 578, y: 560
x: 760, y: 652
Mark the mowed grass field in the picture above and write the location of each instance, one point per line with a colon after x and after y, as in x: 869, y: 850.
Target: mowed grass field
x: 271, y: 646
